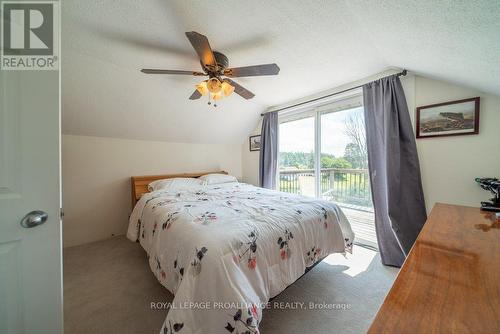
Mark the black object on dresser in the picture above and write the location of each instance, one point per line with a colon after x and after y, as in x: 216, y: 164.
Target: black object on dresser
x: 492, y: 184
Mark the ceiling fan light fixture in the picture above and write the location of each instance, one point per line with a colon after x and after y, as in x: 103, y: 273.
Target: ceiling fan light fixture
x: 202, y: 88
x: 214, y: 85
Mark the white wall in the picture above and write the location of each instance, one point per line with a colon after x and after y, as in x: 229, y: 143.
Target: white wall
x: 448, y: 164
x: 96, y: 175
x: 250, y: 160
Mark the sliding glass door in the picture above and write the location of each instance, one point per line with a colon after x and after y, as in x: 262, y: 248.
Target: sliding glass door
x: 344, y: 169
x: 330, y: 142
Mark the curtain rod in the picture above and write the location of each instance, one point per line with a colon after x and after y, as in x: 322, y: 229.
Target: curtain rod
x: 402, y: 73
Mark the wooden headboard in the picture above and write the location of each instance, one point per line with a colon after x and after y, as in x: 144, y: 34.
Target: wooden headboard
x: 140, y: 183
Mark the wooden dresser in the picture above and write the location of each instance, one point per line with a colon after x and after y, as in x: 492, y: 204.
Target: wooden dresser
x: 450, y: 282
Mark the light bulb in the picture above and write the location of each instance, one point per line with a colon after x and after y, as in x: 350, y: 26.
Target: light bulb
x: 227, y: 89
x: 214, y: 85
x: 217, y: 96
x: 202, y: 88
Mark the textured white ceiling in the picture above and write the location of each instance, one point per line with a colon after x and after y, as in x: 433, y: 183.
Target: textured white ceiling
x: 317, y: 44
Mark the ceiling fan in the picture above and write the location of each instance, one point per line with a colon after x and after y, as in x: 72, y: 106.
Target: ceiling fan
x: 215, y: 65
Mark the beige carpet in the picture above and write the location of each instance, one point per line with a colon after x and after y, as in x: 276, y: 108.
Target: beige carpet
x: 108, y: 288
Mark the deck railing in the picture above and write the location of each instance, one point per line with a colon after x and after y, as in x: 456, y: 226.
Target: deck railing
x: 350, y: 186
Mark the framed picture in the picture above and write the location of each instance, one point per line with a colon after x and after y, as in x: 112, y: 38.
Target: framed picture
x: 454, y: 118
x: 254, y: 143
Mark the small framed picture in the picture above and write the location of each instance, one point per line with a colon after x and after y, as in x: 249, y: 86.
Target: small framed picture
x: 454, y: 118
x: 254, y: 143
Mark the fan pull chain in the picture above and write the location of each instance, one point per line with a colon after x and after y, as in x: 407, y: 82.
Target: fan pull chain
x: 209, y: 102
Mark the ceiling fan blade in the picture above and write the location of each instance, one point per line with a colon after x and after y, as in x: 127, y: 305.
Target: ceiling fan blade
x: 195, y: 96
x: 240, y: 90
x: 202, y: 48
x: 155, y: 71
x: 252, y: 71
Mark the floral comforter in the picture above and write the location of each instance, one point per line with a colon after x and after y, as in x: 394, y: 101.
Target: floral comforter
x: 225, y: 250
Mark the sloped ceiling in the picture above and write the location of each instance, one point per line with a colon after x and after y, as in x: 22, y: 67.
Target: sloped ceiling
x: 317, y: 44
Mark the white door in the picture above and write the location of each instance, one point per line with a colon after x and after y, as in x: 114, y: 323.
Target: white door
x: 30, y: 258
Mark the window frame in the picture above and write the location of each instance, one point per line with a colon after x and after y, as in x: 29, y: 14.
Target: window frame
x: 348, y: 100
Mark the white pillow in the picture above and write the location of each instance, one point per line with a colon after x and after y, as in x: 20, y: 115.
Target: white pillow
x: 217, y: 179
x: 174, y: 183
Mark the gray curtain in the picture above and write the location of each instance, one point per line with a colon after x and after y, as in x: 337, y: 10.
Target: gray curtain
x: 268, y: 150
x: 396, y: 185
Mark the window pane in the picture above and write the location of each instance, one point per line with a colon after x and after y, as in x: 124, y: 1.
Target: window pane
x: 344, y: 169
x: 296, y: 157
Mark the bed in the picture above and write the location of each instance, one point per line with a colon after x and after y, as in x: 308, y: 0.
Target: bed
x: 225, y: 249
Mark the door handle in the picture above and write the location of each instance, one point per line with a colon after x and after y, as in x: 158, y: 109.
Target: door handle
x: 34, y: 218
